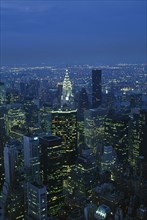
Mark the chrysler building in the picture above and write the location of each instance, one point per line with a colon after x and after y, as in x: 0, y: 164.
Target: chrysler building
x: 67, y: 96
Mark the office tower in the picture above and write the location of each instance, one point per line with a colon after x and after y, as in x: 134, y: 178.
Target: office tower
x: 83, y: 99
x: 13, y: 206
x: 2, y: 94
x: 10, y: 160
x: 12, y: 194
x: 108, y: 159
x: 31, y: 107
x: 45, y: 118
x: 31, y: 150
x: 64, y: 125
x: 2, y: 142
x: 53, y: 98
x: 134, y: 138
x: 36, y: 202
x: 143, y: 138
x: 96, y: 88
x: 83, y: 103
x: 44, y: 91
x: 34, y: 89
x: 109, y: 100
x: 94, y: 129
x: 137, y: 136
x: 83, y: 177
x: 67, y: 96
x: 52, y: 172
x: 116, y: 135
x: 59, y: 92
x: 15, y: 120
x: 12, y: 96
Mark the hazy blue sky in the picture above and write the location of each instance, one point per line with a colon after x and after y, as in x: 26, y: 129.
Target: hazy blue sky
x: 56, y: 32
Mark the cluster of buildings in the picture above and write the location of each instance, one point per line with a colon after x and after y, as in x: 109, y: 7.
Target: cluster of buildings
x: 77, y: 157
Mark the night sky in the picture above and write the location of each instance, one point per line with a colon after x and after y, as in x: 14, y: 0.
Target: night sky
x: 73, y: 32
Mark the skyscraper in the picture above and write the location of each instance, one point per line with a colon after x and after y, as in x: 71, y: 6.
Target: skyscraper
x: 83, y: 176
x: 94, y: 125
x: 36, y: 201
x: 10, y: 158
x: 67, y: 96
x: 108, y: 158
x: 2, y: 93
x: 64, y: 125
x: 59, y: 92
x: 31, y: 155
x: 31, y: 107
x: 12, y: 194
x: 2, y: 142
x: 83, y: 103
x: 143, y: 144
x: 52, y: 174
x: 116, y: 135
x: 15, y: 120
x: 96, y: 88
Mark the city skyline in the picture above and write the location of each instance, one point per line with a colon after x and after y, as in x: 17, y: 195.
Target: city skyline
x: 73, y: 110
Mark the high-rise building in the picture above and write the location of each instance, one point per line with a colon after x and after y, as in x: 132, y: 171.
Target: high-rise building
x: 143, y: 144
x: 34, y: 89
x: 12, y: 96
x: 10, y: 159
x: 137, y: 140
x: 116, y: 135
x: 94, y: 128
x: 36, y: 202
x: 83, y: 177
x: 96, y: 88
x: 13, y: 206
x: 15, y: 120
x: 2, y: 142
x: 31, y: 107
x: 134, y: 138
x: 12, y: 194
x: 64, y: 125
x: 67, y: 96
x: 31, y: 151
x: 52, y: 172
x: 45, y: 118
x: 2, y: 94
x: 59, y: 92
x: 108, y: 161
x: 83, y: 103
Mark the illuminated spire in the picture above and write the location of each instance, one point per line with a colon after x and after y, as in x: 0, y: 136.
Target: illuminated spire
x: 67, y: 97
x: 67, y: 86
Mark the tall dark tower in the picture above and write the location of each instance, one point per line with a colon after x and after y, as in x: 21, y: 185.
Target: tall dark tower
x: 96, y: 88
x: 143, y: 144
x: 52, y: 174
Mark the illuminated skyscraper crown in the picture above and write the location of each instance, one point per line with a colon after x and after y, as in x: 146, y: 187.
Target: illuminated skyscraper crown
x: 67, y: 98
x: 67, y: 87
